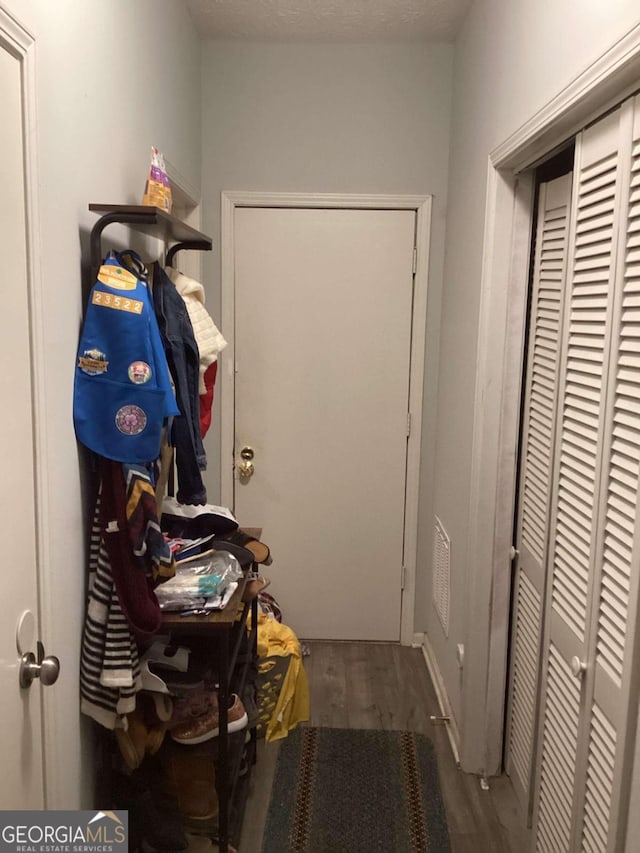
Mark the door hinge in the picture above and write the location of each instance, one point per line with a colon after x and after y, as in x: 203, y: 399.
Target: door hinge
x: 415, y: 259
x: 408, y: 424
x: 513, y: 553
x: 403, y: 576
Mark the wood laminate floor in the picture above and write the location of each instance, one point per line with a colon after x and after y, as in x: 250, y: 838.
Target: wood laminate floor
x: 386, y: 686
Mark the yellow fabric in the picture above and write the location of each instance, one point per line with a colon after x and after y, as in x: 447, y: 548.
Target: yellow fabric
x: 276, y: 639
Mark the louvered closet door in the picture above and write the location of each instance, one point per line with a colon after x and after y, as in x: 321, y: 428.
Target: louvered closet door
x: 538, y: 430
x: 608, y: 728
x: 578, y: 455
x: 589, y: 614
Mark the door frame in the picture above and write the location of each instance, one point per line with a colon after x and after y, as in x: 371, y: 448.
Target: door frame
x: 611, y: 78
x: 421, y: 205
x: 20, y: 42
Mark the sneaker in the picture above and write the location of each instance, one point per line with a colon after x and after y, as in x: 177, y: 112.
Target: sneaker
x: 192, y: 707
x: 260, y: 551
x: 207, y: 727
x: 194, y: 521
x: 242, y: 555
x: 160, y: 677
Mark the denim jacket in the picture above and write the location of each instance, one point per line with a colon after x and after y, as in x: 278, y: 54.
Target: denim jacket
x: 183, y: 358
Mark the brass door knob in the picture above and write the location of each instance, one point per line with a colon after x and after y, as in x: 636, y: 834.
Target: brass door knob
x: 245, y: 466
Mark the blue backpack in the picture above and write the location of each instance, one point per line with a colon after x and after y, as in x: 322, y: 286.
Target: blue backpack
x: 122, y: 386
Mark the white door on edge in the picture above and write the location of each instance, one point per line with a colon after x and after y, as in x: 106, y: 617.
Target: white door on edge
x: 323, y: 308
x: 21, y: 779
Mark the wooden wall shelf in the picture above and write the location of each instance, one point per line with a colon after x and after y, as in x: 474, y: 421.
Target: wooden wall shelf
x: 148, y: 220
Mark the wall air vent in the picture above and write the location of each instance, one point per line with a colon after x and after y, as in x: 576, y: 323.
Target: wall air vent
x: 441, y: 574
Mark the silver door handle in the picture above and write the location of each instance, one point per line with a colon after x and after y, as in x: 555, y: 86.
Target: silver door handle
x: 47, y: 669
x: 578, y: 667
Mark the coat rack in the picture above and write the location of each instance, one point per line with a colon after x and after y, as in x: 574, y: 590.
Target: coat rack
x: 148, y: 220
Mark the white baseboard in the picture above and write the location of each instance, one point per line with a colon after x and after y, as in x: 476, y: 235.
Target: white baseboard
x: 418, y: 641
x: 443, y: 699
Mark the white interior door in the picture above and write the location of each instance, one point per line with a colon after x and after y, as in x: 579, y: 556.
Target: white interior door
x: 21, y: 780
x: 536, y: 474
x: 323, y: 308
x: 589, y: 702
x: 589, y: 295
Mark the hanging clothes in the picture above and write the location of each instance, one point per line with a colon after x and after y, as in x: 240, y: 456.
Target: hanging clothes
x: 210, y: 340
x: 208, y: 337
x: 128, y: 558
x: 109, y: 662
x: 206, y: 399
x: 183, y: 358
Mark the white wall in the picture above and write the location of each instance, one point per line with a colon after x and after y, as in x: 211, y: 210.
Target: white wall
x: 113, y: 78
x: 511, y: 58
x: 327, y: 118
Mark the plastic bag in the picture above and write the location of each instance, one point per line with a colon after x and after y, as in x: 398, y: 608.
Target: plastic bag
x: 199, y: 581
x: 157, y: 189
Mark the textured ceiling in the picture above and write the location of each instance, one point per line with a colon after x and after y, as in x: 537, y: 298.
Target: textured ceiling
x: 328, y: 20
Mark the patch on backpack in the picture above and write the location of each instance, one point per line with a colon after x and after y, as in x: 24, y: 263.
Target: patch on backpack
x: 131, y: 420
x: 93, y: 362
x: 139, y: 372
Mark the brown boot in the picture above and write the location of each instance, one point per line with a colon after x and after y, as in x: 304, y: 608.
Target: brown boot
x: 190, y: 779
x: 138, y: 739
